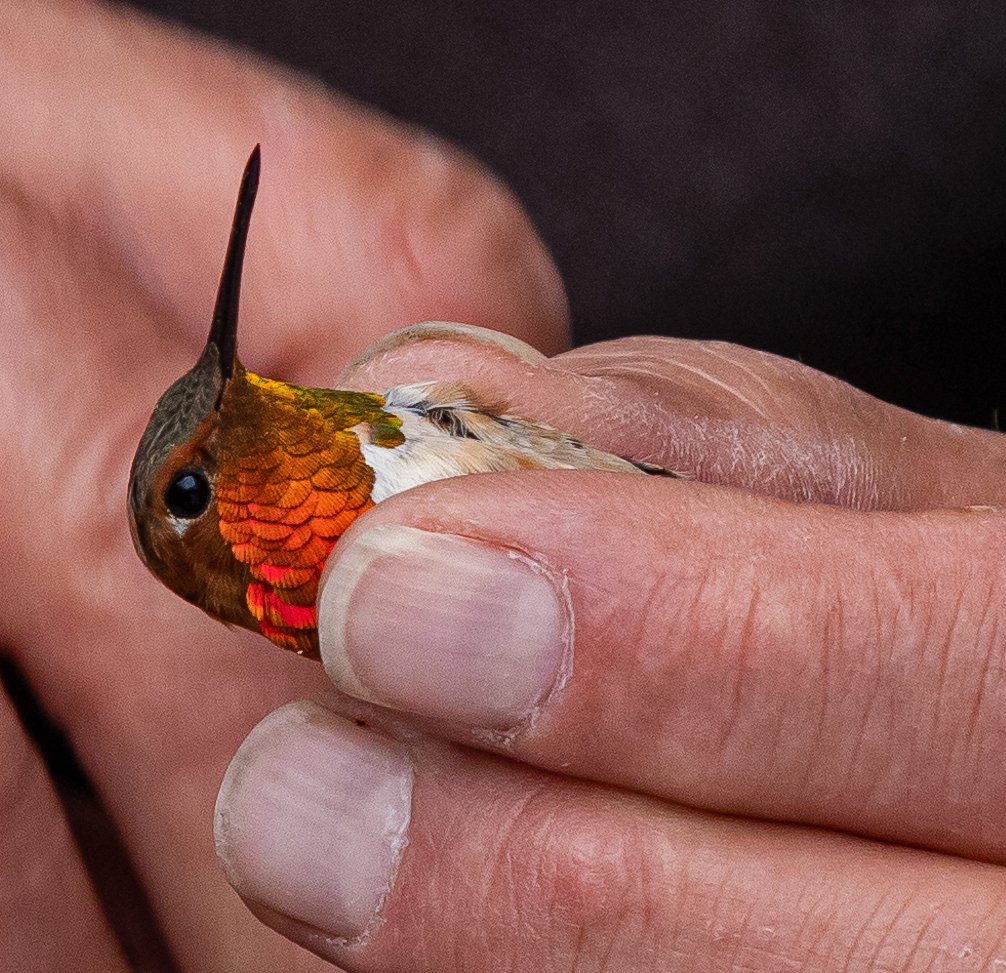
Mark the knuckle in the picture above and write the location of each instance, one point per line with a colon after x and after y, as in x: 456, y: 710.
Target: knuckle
x: 580, y: 885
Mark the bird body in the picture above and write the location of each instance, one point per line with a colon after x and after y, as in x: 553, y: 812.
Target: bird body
x: 242, y: 485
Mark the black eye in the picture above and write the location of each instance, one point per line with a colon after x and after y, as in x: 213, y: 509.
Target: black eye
x: 188, y: 494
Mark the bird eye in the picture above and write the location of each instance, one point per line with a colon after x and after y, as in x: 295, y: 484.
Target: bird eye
x: 188, y: 494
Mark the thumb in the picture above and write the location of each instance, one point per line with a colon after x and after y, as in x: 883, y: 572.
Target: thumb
x: 723, y: 413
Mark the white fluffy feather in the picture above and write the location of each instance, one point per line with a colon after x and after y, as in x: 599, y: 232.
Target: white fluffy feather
x: 449, y: 432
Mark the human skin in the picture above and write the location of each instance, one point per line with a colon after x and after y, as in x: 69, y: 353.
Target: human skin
x: 771, y: 735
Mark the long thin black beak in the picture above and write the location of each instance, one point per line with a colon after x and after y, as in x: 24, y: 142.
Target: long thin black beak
x: 224, y: 329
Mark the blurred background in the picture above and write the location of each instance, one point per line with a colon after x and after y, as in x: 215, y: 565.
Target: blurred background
x: 824, y: 181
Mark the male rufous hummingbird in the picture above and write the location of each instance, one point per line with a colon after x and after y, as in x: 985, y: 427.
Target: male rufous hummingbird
x: 242, y: 485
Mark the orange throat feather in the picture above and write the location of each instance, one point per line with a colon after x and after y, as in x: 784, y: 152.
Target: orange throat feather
x: 291, y: 480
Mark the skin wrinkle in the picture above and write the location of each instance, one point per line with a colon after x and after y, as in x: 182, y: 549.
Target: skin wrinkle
x: 693, y: 896
x: 903, y: 490
x: 526, y: 916
x: 722, y: 912
x: 685, y: 653
x: 624, y: 405
x: 822, y: 399
x: 604, y: 357
x: 99, y: 199
x: 812, y: 675
x: 998, y: 910
x: 104, y: 461
x: 945, y: 720
x: 892, y: 929
x: 853, y: 468
x: 755, y: 458
x: 742, y: 930
x: 875, y: 691
x: 646, y: 673
x: 992, y: 747
x: 832, y: 634
x: 808, y: 907
x: 944, y: 649
x: 500, y: 865
x: 904, y: 656
x: 864, y: 927
x: 917, y: 626
x: 557, y: 839
x: 408, y: 269
x: 722, y: 898
x: 99, y: 462
x: 978, y: 697
x: 906, y: 644
x: 847, y: 711
x: 100, y: 589
x: 669, y: 370
x: 659, y: 620
x: 653, y: 887
x: 844, y: 481
x: 736, y: 394
x: 290, y: 110
x: 632, y: 927
x: 745, y: 645
x: 725, y: 353
x: 398, y: 230
x: 823, y: 933
x: 921, y: 935
x: 552, y: 911
x: 675, y: 868
x: 743, y: 926
x: 836, y: 457
x: 778, y: 761
x: 504, y: 876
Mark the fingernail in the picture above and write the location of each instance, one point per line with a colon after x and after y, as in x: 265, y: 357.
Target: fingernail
x: 312, y: 816
x: 442, y: 626
x: 446, y: 331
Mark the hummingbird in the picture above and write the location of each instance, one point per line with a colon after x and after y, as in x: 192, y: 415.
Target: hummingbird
x: 242, y: 485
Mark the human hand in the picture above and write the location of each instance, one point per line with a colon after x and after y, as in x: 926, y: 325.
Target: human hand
x: 123, y: 143
x: 703, y: 727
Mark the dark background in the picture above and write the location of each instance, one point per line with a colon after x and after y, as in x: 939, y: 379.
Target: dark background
x: 823, y: 182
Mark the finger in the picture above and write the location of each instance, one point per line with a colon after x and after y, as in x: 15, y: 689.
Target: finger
x: 48, y: 912
x: 362, y: 225
x: 394, y: 857
x: 722, y: 413
x: 713, y: 647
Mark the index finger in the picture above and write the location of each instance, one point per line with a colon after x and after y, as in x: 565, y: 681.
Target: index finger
x: 708, y: 646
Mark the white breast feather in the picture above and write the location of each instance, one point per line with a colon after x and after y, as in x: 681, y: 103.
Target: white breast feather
x: 449, y: 432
